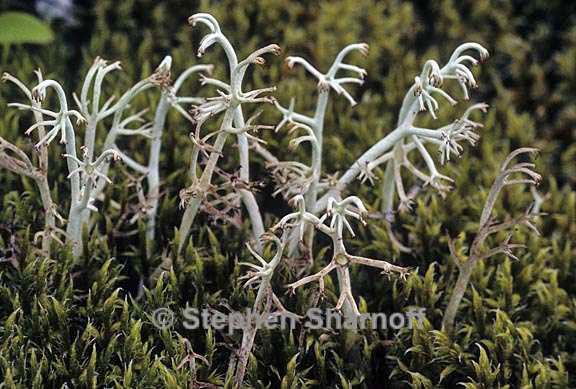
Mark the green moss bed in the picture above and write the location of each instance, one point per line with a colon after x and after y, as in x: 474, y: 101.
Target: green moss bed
x: 87, y: 323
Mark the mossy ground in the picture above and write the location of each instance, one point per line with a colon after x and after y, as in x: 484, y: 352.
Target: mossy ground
x: 82, y: 325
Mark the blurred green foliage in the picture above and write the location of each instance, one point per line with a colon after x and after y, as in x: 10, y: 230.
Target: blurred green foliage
x: 20, y: 27
x: 83, y: 326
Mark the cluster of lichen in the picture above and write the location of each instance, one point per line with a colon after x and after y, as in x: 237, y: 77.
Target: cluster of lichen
x: 70, y: 323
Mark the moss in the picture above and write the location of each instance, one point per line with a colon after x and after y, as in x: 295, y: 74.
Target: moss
x: 84, y: 326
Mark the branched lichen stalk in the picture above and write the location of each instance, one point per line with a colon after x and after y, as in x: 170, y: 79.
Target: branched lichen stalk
x: 326, y: 82
x: 22, y: 165
x: 259, y: 276
x: 337, y: 213
x: 420, y: 98
x: 520, y: 173
x: 87, y: 176
x: 230, y: 99
x: 168, y: 99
